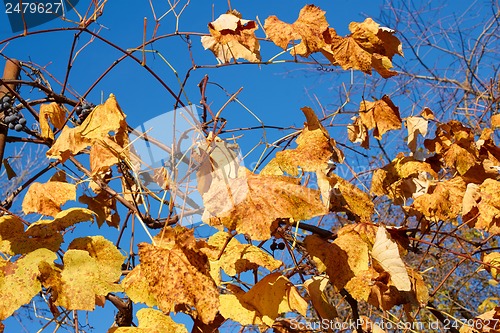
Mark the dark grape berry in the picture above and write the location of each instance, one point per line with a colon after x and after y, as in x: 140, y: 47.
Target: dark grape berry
x: 18, y: 127
x: 6, y: 99
x: 11, y: 125
x: 281, y: 246
x: 274, y: 246
x: 22, y: 121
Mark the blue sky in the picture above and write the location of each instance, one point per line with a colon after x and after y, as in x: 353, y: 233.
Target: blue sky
x: 275, y: 93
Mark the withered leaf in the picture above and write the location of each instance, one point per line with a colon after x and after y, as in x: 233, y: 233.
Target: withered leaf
x: 231, y: 37
x: 443, y: 202
x: 18, y: 280
x: 250, y: 204
x: 272, y: 295
x: 152, y: 321
x: 237, y: 257
x: 14, y: 240
x: 368, y: 46
x: 55, y: 114
x: 381, y: 115
x: 415, y: 125
x: 314, y: 149
x: 343, y: 259
x: 47, y: 198
x: 308, y: 28
x: 178, y: 272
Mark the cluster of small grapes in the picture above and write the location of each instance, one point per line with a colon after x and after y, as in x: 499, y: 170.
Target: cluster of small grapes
x: 13, y: 119
x: 82, y: 111
x: 279, y: 246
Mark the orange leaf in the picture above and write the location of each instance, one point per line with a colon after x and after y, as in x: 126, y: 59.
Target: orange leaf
x: 178, y: 273
x: 309, y: 28
x: 56, y: 115
x: 368, y: 46
x: 47, y: 198
x: 250, y: 204
x: 232, y: 38
x: 382, y: 115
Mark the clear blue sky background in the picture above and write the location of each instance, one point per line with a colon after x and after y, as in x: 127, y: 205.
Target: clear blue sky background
x: 274, y: 93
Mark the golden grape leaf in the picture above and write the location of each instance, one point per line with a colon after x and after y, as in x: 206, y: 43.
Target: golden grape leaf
x: 14, y: 240
x: 343, y: 259
x: 104, y: 206
x: 385, y: 252
x: 237, y: 257
x: 251, y: 203
x: 18, y: 280
x: 391, y: 179
x: 309, y: 28
x: 382, y: 115
x: 415, y: 125
x: 358, y: 133
x: 63, y: 220
x: 449, y: 133
x: 92, y: 267
x: 137, y: 287
x: 264, y: 302
x: 495, y: 121
x: 231, y: 37
x: 152, y: 321
x: 315, y: 287
x: 70, y: 142
x: 348, y: 198
x: 314, y: 149
x: 443, y: 202
x: 459, y: 158
x: 47, y: 198
x: 368, y: 46
x: 105, y: 122
x: 56, y: 115
x: 178, y: 273
x: 489, y: 206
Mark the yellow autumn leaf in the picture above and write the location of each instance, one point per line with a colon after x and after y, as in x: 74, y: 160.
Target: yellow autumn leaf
x: 348, y: 198
x: 152, y: 321
x: 315, y: 287
x: 47, y: 198
x: 385, y: 252
x: 459, y: 158
x: 236, y: 257
x: 92, y: 267
x: 104, y: 207
x: 309, y: 28
x: 358, y: 133
x: 342, y: 260
x: 368, y: 46
x: 492, y: 261
x: 489, y: 206
x: 62, y: 220
x: 264, y: 302
x: 415, y: 126
x: 231, y: 37
x: 55, y: 114
x: 18, y: 280
x: 14, y: 240
x: 178, y: 272
x: 314, y: 149
x: 136, y: 287
x: 443, y: 202
x: 381, y: 115
x: 105, y: 122
x: 250, y: 204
